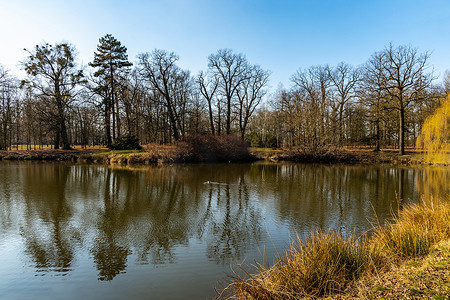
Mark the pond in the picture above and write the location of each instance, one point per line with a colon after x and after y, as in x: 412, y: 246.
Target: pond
x: 77, y: 231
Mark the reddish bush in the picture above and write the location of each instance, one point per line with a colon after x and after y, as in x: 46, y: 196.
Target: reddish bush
x: 211, y: 148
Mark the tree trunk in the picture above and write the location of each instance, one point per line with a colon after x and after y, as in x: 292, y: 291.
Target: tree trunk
x: 211, y: 119
x: 57, y: 138
x: 62, y: 125
x: 107, y: 124
x: 173, y: 120
x: 228, y: 119
x: 117, y: 117
x: 64, y: 136
x: 219, y: 119
x: 378, y: 142
x: 340, y: 128
x: 401, y: 141
x: 112, y: 106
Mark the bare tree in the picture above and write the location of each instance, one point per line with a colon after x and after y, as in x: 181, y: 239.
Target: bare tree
x: 313, y: 89
x: 250, y: 95
x: 372, y: 95
x: 160, y: 70
x: 208, y: 88
x: 8, y: 93
x: 231, y: 70
x: 344, y: 78
x: 52, y: 74
x: 404, y: 78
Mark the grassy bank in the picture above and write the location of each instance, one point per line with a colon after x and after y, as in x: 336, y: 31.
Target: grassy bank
x: 426, y: 278
x: 329, y: 265
x: 202, y: 149
x: 96, y: 155
x: 349, y: 156
x: 194, y: 148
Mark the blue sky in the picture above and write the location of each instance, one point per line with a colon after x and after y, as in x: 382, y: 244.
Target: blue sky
x: 281, y: 36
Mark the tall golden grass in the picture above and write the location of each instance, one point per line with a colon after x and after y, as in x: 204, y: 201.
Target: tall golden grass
x: 328, y: 262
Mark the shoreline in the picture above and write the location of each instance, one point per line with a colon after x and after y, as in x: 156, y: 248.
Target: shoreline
x: 349, y: 156
x: 169, y: 154
x: 165, y: 155
x: 388, y: 268
x: 408, y: 258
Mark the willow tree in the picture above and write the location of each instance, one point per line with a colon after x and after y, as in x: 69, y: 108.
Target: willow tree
x: 435, y: 134
x: 53, y: 76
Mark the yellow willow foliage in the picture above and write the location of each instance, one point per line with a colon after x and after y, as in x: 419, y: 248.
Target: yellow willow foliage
x: 435, y: 135
x: 433, y: 182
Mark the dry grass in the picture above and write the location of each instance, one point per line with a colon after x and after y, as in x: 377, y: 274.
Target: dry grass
x: 325, y: 264
x: 416, y: 229
x: 427, y: 278
x: 328, y: 264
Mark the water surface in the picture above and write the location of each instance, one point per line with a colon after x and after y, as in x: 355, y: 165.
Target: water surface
x: 170, y: 232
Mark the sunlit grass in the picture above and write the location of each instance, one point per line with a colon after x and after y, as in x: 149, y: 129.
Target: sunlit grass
x: 324, y: 264
x: 417, y: 228
x: 328, y: 262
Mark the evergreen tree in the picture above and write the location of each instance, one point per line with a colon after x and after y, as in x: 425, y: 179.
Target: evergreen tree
x: 111, y: 61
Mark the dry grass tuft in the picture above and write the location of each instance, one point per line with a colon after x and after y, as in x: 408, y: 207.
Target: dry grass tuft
x: 328, y: 263
x: 416, y: 229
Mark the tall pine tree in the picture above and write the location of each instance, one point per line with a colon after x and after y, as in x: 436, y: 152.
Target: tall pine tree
x: 111, y: 61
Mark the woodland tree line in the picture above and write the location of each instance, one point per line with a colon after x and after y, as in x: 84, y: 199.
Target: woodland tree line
x: 383, y: 102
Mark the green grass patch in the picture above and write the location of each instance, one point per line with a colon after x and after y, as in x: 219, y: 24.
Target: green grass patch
x: 414, y: 264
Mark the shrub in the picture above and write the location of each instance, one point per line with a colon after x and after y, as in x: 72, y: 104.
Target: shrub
x: 127, y: 142
x: 210, y: 148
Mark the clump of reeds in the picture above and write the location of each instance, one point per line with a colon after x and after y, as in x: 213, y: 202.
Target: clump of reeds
x: 415, y: 230
x: 324, y: 264
x: 328, y: 262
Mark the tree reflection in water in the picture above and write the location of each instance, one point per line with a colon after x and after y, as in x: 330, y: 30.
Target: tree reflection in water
x: 123, y: 216
x: 49, y: 238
